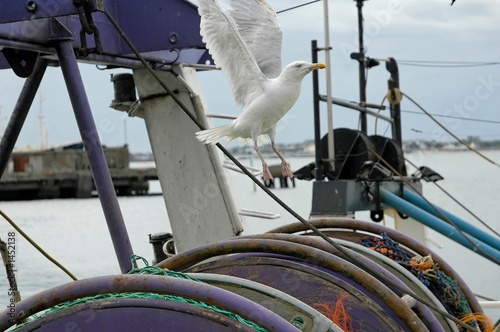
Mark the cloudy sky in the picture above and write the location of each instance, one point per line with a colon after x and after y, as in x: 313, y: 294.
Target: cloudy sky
x: 425, y: 32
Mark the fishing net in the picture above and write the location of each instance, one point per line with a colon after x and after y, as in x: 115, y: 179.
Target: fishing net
x: 428, y: 272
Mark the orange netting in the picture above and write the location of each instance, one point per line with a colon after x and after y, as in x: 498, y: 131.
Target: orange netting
x: 486, y: 321
x: 422, y: 263
x: 338, y: 314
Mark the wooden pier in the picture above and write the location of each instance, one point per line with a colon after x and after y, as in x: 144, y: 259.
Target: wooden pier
x: 65, y: 173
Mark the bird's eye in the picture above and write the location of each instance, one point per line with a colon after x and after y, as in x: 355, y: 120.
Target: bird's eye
x: 298, y: 65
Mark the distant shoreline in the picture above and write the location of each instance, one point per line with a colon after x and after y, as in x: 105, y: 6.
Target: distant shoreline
x: 148, y: 157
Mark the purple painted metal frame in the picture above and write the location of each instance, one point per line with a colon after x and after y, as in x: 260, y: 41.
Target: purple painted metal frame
x: 20, y: 112
x: 100, y: 171
x: 178, y: 40
x: 34, y: 30
x: 14, y: 11
x: 95, y: 153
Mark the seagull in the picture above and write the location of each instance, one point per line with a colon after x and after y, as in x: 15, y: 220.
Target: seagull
x: 245, y: 43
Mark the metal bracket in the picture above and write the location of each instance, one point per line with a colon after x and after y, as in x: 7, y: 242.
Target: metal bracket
x: 59, y: 32
x: 22, y: 62
x: 377, y: 215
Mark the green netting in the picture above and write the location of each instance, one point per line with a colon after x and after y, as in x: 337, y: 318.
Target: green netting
x: 148, y: 269
x: 298, y: 322
x: 146, y: 295
x: 154, y: 296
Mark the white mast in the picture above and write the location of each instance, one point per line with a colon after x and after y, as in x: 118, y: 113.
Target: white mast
x: 331, y: 152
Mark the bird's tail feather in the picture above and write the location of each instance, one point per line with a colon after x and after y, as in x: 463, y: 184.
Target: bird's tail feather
x: 214, y: 135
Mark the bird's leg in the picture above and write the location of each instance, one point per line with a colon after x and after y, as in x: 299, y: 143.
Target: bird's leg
x: 285, y: 168
x: 266, y: 174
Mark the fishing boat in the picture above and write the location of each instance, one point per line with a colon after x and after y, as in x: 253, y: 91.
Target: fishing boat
x: 330, y: 272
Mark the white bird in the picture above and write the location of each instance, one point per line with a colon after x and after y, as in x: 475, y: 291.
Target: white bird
x: 245, y: 42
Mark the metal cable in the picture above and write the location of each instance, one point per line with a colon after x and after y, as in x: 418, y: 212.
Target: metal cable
x: 446, y: 64
x: 450, y: 132
x: 454, y: 117
x: 340, y: 248
x: 298, y: 6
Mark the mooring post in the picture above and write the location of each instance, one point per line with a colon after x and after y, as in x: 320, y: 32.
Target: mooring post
x: 20, y: 112
x: 95, y: 153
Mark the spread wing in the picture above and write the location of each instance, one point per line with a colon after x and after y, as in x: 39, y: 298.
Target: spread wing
x: 258, y: 25
x: 229, y: 51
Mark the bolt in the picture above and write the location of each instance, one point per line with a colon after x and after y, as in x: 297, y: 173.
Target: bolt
x: 31, y: 6
x: 173, y: 38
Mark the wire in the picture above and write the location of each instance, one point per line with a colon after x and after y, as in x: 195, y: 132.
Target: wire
x: 34, y: 244
x: 445, y: 64
x: 454, y: 117
x: 459, y: 203
x: 451, y: 133
x: 295, y: 7
x: 436, y: 115
x: 484, y: 297
x: 308, y: 224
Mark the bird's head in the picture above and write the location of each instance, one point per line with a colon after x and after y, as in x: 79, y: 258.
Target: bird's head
x: 299, y: 69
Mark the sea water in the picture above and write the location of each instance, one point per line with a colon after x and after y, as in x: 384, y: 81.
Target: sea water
x: 75, y: 233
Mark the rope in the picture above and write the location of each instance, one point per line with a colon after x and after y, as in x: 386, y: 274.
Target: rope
x: 378, y: 112
x: 37, y: 247
x: 315, y: 230
x: 451, y: 133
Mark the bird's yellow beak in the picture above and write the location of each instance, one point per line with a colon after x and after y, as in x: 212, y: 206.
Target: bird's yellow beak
x: 318, y: 66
